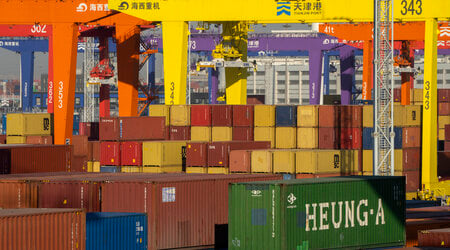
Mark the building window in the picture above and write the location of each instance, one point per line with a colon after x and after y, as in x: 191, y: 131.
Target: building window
x: 293, y: 82
x: 77, y: 101
x: 293, y: 73
x: 280, y: 82
x: 250, y: 91
x: 281, y: 91
x: 260, y: 73
x: 281, y: 100
x: 293, y: 100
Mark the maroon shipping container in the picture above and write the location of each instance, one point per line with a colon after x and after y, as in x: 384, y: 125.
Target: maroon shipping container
x: 110, y: 154
x: 411, y: 159
x: 444, y: 108
x: 256, y: 99
x: 443, y: 95
x: 2, y: 139
x: 18, y: 194
x: 242, y: 133
x: 201, y: 115
x: 40, y: 139
x: 397, y: 95
x: 222, y: 115
x: 351, y: 138
x: 329, y: 116
x: 197, y: 154
x: 42, y: 229
x: 444, y: 164
x: 91, y: 129
x: 35, y: 158
x: 96, y: 154
x: 413, y: 226
x: 180, y: 133
x: 240, y: 161
x: 219, y: 152
x: 329, y: 138
x: 447, y: 132
x: 411, y: 137
x: 79, y: 163
x: 412, y: 180
x: 132, y: 128
x: 131, y: 153
x: 243, y: 116
x: 438, y: 238
x: 80, y: 145
x: 183, y: 211
x: 351, y: 116
x: 447, y: 145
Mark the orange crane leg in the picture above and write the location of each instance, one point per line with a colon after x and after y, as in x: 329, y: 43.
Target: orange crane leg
x: 367, y: 70
x: 64, y: 76
x: 128, y: 38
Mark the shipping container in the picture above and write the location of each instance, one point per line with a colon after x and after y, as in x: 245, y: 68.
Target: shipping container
x: 131, y: 153
x: 110, y: 154
x: 399, y: 115
x: 80, y: 145
x: 368, y: 138
x: 441, y: 134
x: 29, y: 124
x: 444, y: 108
x: 2, y: 139
x: 283, y: 161
x: 412, y: 180
x: 79, y: 163
x: 200, y: 115
x: 413, y: 226
x: 265, y: 134
x: 367, y: 116
x: 444, y: 163
x: 261, y: 161
x: 286, y: 116
x: 131, y: 169
x: 116, y: 231
x: 307, y: 138
x: 242, y: 133
x: 16, y: 139
x: 180, y: 115
x: 42, y: 229
x: 163, y: 153
x: 222, y: 115
x: 222, y: 134
x: 411, y: 137
x: 36, y: 158
x: 110, y: 169
x: 327, y: 161
x: 96, y: 148
x: 39, y: 139
x: 308, y: 116
x: 367, y: 161
x: 413, y: 115
x: 351, y: 138
x: 418, y: 95
x: 197, y: 154
x: 91, y: 129
x: 219, y: 152
x: 160, y: 110
x: 240, y: 161
x: 200, y: 133
x: 411, y: 159
x: 397, y: 95
x: 351, y: 116
x: 181, y: 133
x: 443, y: 120
x: 196, y: 170
x: 132, y: 128
x: 438, y: 238
x: 264, y: 115
x: 285, y: 137
x: 329, y: 138
x: 329, y: 116
x: 243, y: 115
x: 447, y: 145
x: 18, y: 194
x: 291, y: 214
x: 443, y: 95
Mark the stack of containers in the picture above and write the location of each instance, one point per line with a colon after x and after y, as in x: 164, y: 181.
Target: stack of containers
x: 308, y: 123
x: 93, y: 164
x: 222, y: 122
x: 264, y: 121
x: 243, y: 116
x: 21, y: 125
x: 91, y: 129
x: 286, y: 127
x: 80, y: 153
x: 201, y: 123
x: 443, y: 111
x: 180, y: 121
x: 329, y: 131
x: 410, y: 166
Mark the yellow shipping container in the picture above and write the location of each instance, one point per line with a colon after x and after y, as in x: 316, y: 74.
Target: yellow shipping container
x: 350, y: 160
x: 441, y: 134
x: 443, y: 120
x: 165, y: 169
x: 307, y: 138
x: 261, y: 161
x: 308, y: 116
x: 90, y: 166
x: 29, y: 124
x: 131, y: 169
x: 222, y: 134
x: 418, y: 95
x: 367, y: 116
x: 162, y: 153
x: 96, y: 167
x: 265, y: 134
x: 180, y: 115
x: 160, y: 110
x: 413, y: 115
x: 201, y: 134
x: 196, y: 170
x: 285, y: 137
x: 367, y: 163
x: 16, y: 139
x: 217, y: 170
x: 318, y: 161
x: 283, y: 161
x: 264, y: 116
x: 399, y: 115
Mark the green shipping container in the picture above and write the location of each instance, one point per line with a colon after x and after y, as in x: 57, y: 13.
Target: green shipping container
x: 320, y: 213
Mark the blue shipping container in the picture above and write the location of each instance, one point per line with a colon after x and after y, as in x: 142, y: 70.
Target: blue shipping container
x: 111, y: 231
x: 109, y: 169
x: 368, y: 138
x: 286, y: 116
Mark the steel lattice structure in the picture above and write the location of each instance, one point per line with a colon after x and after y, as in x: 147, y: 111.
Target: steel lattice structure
x: 89, y: 89
x: 384, y: 86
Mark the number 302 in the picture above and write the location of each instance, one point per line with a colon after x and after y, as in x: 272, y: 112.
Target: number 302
x: 414, y: 6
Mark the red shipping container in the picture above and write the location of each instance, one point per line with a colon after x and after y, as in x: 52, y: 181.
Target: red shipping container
x: 201, y: 115
x: 80, y: 145
x: 18, y: 194
x: 413, y: 226
x: 222, y: 115
x: 447, y: 132
x: 443, y: 95
x: 329, y: 116
x: 132, y: 128
x: 439, y: 238
x: 109, y: 129
x: 351, y: 138
x: 79, y: 163
x: 131, y: 153
x: 256, y: 99
x: 242, y: 133
x: 329, y: 138
x: 96, y: 154
x: 411, y: 159
x: 411, y: 137
x: 197, y: 154
x: 240, y: 161
x: 447, y: 145
x: 351, y: 116
x: 39, y: 229
x: 397, y: 95
x: 444, y: 108
x: 180, y: 133
x: 412, y: 180
x: 243, y: 116
x: 91, y: 129
x: 2, y: 139
x: 219, y: 152
x: 444, y: 164
x: 40, y: 139
x: 110, y: 154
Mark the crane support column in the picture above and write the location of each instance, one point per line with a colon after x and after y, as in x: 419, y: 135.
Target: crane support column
x: 367, y: 71
x: 27, y: 75
x: 213, y: 83
x: 128, y: 68
x: 65, y: 61
x: 50, y: 106
x: 175, y: 42
x: 429, y: 127
x: 347, y: 60
x: 407, y: 78
x: 326, y: 73
x: 315, y: 76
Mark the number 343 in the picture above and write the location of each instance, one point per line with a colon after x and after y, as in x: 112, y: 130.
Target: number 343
x: 411, y: 7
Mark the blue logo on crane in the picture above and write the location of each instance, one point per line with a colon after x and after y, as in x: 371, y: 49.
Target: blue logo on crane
x: 283, y: 8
